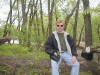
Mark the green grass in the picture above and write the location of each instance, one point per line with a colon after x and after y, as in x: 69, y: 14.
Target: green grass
x: 20, y: 50
x: 86, y: 73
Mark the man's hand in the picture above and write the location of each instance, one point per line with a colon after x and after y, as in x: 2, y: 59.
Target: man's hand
x: 55, y: 53
x: 73, y: 59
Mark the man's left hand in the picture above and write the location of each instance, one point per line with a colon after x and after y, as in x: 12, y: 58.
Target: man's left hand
x: 73, y: 59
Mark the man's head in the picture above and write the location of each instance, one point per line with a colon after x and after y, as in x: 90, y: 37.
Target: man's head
x: 59, y: 26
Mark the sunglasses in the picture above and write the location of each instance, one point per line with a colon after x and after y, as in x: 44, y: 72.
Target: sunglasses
x: 60, y: 25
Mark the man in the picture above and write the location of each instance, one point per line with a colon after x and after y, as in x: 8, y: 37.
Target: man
x: 60, y: 46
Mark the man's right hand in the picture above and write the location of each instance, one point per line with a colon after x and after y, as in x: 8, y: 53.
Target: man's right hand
x: 55, y: 53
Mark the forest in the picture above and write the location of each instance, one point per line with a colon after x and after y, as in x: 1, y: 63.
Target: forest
x: 28, y: 24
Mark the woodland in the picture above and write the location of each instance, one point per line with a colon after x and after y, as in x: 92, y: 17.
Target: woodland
x: 28, y: 25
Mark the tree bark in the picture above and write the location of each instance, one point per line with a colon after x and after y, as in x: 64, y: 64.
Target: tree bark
x: 98, y: 31
x: 10, y: 11
x: 80, y: 35
x: 87, y: 21
x: 18, y: 27
x: 24, y: 16
x: 43, y: 31
x: 50, y: 14
x: 32, y: 15
x: 68, y: 17
x: 56, y: 13
x: 24, y: 21
x: 6, y: 27
x: 10, y: 24
x: 75, y: 24
x: 37, y: 27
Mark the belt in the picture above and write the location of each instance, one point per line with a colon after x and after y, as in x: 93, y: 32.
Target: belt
x: 62, y: 52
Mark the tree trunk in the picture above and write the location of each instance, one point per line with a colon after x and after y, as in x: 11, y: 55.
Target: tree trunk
x: 98, y: 31
x: 30, y: 23
x: 37, y: 27
x: 24, y: 21
x: 6, y: 27
x: 68, y: 17
x: 9, y: 31
x: 50, y: 13
x: 18, y: 27
x: 32, y: 15
x: 24, y: 16
x: 10, y: 11
x: 75, y: 24
x: 80, y: 35
x: 56, y: 13
x: 87, y: 21
x: 42, y: 18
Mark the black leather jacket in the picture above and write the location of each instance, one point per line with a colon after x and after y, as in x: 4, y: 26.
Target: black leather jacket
x: 51, y: 46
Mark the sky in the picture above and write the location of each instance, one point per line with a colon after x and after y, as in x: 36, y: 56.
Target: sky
x: 4, y: 8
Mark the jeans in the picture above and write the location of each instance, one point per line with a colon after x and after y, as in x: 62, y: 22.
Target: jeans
x: 68, y: 59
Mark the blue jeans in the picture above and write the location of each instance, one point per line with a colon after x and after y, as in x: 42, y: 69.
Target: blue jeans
x: 68, y: 59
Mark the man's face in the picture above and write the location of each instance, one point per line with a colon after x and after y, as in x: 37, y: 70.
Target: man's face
x: 59, y: 27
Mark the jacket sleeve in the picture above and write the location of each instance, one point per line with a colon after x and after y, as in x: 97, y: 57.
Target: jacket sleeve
x: 72, y: 45
x: 49, y: 46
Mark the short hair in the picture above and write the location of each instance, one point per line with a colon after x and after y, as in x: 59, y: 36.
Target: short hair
x: 59, y: 21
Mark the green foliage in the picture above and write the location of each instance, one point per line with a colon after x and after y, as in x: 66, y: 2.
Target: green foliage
x: 20, y: 50
x: 86, y: 73
x: 1, y: 31
x: 38, y: 52
x: 6, y: 69
x: 80, y: 24
x: 96, y: 29
x: 87, y: 11
x: 14, y: 50
x: 45, y: 70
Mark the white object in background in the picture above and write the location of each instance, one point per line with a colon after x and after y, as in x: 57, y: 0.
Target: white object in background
x: 87, y: 49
